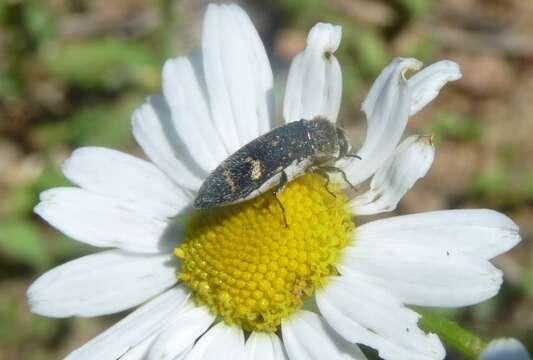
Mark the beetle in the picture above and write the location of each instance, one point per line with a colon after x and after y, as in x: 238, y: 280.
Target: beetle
x: 273, y: 159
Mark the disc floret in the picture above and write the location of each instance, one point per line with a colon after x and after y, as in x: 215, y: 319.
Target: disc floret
x: 252, y: 270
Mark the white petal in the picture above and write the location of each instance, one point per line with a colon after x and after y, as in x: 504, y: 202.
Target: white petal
x: 264, y: 346
x: 262, y: 73
x: 118, y: 175
x: 139, y: 351
x: 422, y: 275
x: 306, y: 336
x: 154, y: 131
x: 387, y: 110
x: 178, y: 338
x: 238, y: 75
x: 411, y: 161
x: 141, y: 324
x: 102, y: 283
x: 184, y: 355
x: 363, y: 313
x: 479, y: 232
x: 190, y: 114
x: 221, y: 342
x: 101, y: 221
x: 426, y: 84
x: 505, y: 349
x: 314, y: 84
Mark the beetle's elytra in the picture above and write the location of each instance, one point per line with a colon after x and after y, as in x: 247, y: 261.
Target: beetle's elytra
x: 273, y: 159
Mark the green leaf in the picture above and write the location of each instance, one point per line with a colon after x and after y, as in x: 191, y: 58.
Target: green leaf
x: 417, y: 8
x: 21, y: 240
x: 104, y: 125
x: 50, y: 178
x: 52, y: 134
x: 3, y: 12
x: 423, y: 49
x: 63, y: 248
x: 454, y: 126
x: 103, y: 63
x: 352, y: 80
x: 18, y: 326
x: 19, y: 201
x: 491, y: 183
x: 372, y: 53
x: 10, y: 87
x: 528, y: 186
x: 38, y: 20
x: 302, y: 10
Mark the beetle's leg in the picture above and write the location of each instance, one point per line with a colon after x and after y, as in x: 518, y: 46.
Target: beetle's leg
x: 328, y: 179
x: 283, y: 180
x: 339, y: 170
x: 322, y: 172
x: 351, y: 155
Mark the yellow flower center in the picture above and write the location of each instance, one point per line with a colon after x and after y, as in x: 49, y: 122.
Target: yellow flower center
x: 252, y: 270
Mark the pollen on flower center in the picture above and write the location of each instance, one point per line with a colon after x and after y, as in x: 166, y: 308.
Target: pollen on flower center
x: 253, y: 271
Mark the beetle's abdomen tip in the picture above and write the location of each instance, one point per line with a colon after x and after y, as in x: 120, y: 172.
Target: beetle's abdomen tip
x: 206, y: 199
x: 201, y: 203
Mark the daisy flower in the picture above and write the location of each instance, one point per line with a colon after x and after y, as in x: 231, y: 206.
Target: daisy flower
x: 235, y: 282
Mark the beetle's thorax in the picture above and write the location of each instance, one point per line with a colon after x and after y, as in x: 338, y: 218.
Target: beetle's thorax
x: 323, y: 139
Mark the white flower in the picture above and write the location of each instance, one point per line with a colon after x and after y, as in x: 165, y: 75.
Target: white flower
x: 131, y: 205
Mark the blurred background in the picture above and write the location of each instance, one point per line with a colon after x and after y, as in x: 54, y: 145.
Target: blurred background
x: 72, y: 72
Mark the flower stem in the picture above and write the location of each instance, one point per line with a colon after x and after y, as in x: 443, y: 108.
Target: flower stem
x: 450, y: 332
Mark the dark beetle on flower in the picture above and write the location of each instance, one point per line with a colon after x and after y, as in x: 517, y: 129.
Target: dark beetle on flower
x: 273, y: 159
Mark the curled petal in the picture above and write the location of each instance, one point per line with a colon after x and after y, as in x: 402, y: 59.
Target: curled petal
x: 411, y: 161
x: 426, y: 84
x: 314, y: 85
x: 387, y: 110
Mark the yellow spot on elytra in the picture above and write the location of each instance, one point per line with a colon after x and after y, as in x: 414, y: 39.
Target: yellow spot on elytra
x: 256, y: 168
x: 228, y: 178
x: 253, y: 271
